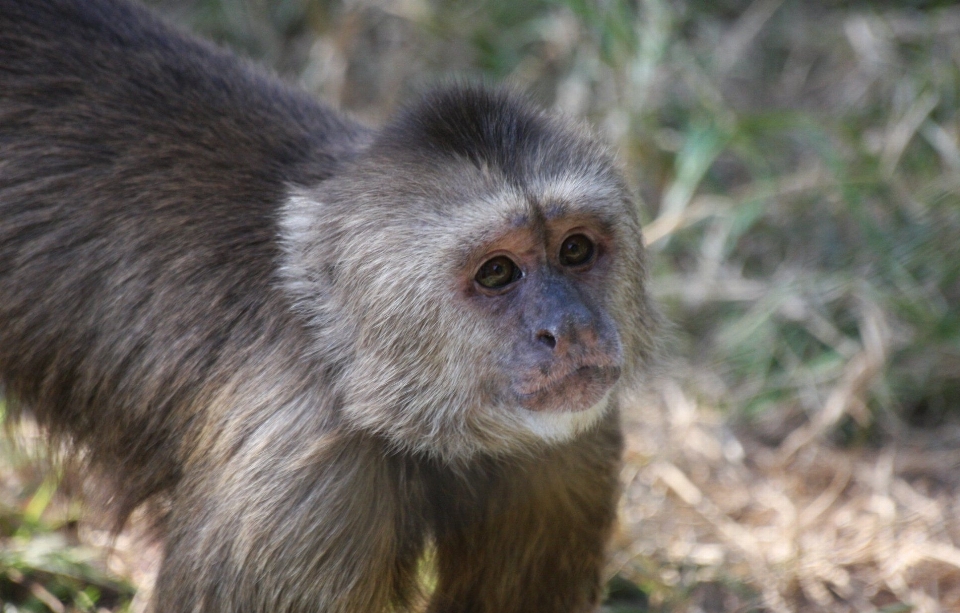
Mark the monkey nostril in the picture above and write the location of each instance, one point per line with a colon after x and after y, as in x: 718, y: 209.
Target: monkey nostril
x: 547, y: 339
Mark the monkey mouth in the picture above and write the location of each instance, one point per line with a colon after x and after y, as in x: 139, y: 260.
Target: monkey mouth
x: 574, y: 390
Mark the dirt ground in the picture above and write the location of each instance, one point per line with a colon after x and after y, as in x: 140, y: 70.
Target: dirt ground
x: 709, y: 509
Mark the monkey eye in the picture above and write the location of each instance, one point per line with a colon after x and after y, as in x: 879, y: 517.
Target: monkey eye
x: 498, y: 272
x: 576, y: 250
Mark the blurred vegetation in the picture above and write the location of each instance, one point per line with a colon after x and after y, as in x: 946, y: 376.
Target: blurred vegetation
x: 43, y: 566
x: 798, y: 165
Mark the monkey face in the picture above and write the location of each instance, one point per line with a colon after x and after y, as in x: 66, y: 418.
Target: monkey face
x: 476, y: 297
x: 540, y: 286
x: 494, y: 323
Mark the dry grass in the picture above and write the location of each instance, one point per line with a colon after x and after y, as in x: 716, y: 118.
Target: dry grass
x: 804, y: 526
x: 800, y: 167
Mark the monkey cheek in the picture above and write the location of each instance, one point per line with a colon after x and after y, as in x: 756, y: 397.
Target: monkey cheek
x: 578, y: 391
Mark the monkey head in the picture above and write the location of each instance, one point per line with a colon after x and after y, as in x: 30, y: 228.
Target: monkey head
x: 475, y: 276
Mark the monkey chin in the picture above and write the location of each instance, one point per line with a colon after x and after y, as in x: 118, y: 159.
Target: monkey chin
x: 558, y: 426
x: 564, y: 408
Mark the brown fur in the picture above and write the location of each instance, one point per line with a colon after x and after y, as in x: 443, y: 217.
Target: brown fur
x: 259, y: 319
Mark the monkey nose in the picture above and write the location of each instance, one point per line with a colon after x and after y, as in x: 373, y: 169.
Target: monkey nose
x: 561, y: 340
x: 566, y: 335
x: 547, y: 338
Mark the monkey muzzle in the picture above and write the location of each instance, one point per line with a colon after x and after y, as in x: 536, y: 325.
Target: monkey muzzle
x: 571, y: 389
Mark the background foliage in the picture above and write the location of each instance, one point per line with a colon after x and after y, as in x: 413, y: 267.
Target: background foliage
x: 799, y: 170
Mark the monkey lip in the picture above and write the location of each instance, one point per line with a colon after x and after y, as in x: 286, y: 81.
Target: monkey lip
x: 575, y: 390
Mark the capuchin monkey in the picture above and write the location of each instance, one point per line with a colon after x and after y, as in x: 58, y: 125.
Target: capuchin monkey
x: 310, y: 350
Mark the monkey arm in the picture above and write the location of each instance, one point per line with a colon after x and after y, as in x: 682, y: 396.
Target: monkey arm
x: 294, y: 522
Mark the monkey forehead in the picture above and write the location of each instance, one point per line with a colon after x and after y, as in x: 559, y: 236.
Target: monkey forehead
x: 567, y: 200
x: 467, y: 208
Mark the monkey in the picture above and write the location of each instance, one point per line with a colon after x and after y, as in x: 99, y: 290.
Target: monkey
x: 311, y: 350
